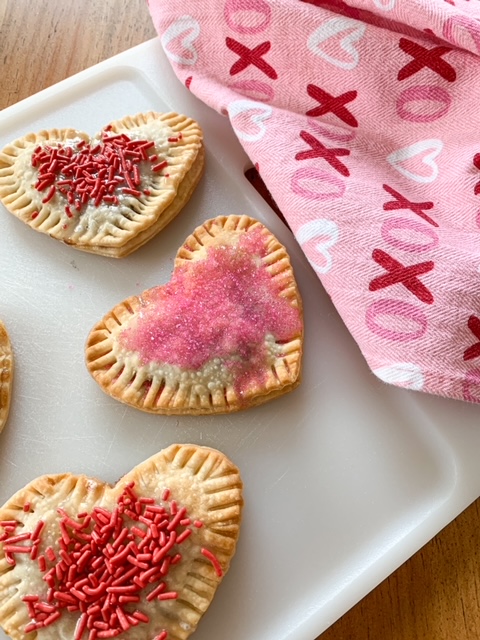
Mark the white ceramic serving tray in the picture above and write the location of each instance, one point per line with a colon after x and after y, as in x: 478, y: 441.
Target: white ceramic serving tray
x: 345, y: 478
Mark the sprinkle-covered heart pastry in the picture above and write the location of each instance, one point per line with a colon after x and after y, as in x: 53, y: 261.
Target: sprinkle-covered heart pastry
x: 109, y: 194
x: 6, y: 374
x: 81, y: 560
x: 226, y: 332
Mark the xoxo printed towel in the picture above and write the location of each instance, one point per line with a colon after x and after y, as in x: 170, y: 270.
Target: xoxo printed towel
x: 363, y: 118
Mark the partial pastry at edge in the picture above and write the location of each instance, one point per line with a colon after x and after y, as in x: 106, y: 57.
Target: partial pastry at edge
x: 6, y: 375
x: 109, y: 194
x: 225, y: 334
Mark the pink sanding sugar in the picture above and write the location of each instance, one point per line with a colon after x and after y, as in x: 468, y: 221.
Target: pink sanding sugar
x: 223, y: 307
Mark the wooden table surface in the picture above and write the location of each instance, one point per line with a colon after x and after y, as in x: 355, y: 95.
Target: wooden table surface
x: 433, y: 596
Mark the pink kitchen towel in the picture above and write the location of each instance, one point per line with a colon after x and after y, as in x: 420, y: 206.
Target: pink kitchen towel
x: 363, y: 119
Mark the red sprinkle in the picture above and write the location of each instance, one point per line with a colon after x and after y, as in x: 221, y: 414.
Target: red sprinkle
x: 132, y: 192
x: 214, y: 560
x: 20, y: 538
x: 97, y: 175
x: 156, y: 592
x: 38, y: 530
x: 171, y: 595
x: 49, y: 195
x: 15, y: 548
x: 160, y: 166
x: 183, y: 536
x: 102, y: 562
x: 81, y: 626
x: 50, y: 554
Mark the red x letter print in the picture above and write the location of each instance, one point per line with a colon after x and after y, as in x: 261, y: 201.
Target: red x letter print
x: 335, y: 105
x: 250, y: 56
x: 473, y: 351
x: 422, y: 57
x: 318, y: 150
x: 397, y: 273
x: 401, y: 202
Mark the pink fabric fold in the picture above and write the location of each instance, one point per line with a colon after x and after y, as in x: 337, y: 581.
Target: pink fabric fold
x: 363, y: 120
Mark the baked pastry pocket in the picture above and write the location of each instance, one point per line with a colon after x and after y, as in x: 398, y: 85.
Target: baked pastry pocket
x: 141, y: 560
x: 226, y: 333
x: 108, y: 195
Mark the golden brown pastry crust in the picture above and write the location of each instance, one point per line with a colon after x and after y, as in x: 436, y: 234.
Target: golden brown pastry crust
x: 113, y: 229
x: 162, y: 389
x: 201, y: 479
x: 6, y: 374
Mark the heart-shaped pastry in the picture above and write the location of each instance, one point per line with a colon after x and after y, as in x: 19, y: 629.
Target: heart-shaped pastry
x: 6, y: 374
x: 225, y: 333
x: 109, y: 194
x: 141, y: 560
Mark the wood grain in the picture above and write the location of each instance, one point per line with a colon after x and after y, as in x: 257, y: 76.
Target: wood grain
x: 433, y: 596
x: 45, y: 41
